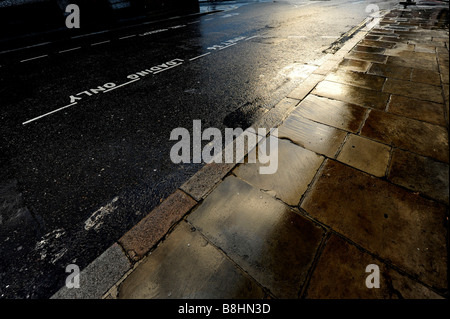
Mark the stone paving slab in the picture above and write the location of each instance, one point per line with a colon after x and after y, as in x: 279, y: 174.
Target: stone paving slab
x: 267, y: 239
x: 392, y: 71
x: 420, y: 137
x: 367, y: 81
x: 387, y: 220
x: 354, y: 65
x: 371, y: 57
x: 418, y: 91
x: 425, y: 76
x: 420, y: 174
x: 348, y: 280
x: 364, y: 154
x: 311, y: 135
x: 296, y: 168
x: 345, y: 116
x: 417, y: 63
x: 186, y: 266
x: 417, y: 109
x: 352, y: 94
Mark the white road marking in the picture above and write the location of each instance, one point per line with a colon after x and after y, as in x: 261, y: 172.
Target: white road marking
x: 193, y: 22
x: 73, y: 49
x: 46, y: 114
x: 98, y: 43
x: 209, y: 19
x: 198, y: 57
x: 128, y: 36
x: 86, y: 35
x: 118, y: 86
x: 255, y: 36
x: 170, y: 67
x: 230, y: 45
x: 95, y: 220
x: 36, y: 57
x: 28, y: 47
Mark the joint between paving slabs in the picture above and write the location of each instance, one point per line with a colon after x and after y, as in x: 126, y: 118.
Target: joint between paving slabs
x: 387, y: 262
x: 324, y: 240
x: 267, y: 292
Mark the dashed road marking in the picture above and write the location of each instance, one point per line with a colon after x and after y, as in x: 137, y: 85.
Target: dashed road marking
x: 34, y: 58
x: 128, y: 36
x: 28, y: 47
x: 46, y: 114
x: 230, y: 45
x: 255, y: 36
x: 86, y: 35
x: 98, y: 43
x: 68, y: 50
x: 200, y: 56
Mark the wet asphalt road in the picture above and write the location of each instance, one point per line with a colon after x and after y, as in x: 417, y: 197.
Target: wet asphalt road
x: 74, y: 181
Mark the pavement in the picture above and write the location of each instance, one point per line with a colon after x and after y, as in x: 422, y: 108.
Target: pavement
x: 362, y: 179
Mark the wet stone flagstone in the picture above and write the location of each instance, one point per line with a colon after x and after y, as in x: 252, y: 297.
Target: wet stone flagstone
x: 272, y: 243
x: 296, y: 168
x: 378, y: 44
x: 367, y: 81
x: 412, y: 62
x: 341, y: 274
x: 363, y: 48
x: 313, y: 136
x: 186, y: 266
x: 416, y: 136
x: 417, y: 109
x: 367, y: 155
x: 385, y: 219
x: 391, y: 71
x: 354, y: 65
x: 352, y: 94
x: 331, y: 112
x: 372, y: 57
x: 420, y: 174
x: 425, y: 76
x: 415, y: 90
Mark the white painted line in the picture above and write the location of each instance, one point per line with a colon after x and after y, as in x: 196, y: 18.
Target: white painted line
x: 230, y: 45
x: 128, y: 36
x: 198, y: 57
x: 209, y: 19
x: 57, y: 110
x: 170, y: 67
x: 36, y: 57
x: 73, y: 49
x: 98, y: 43
x: 255, y: 36
x: 28, y: 47
x: 86, y: 35
x: 193, y: 22
x: 118, y: 86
